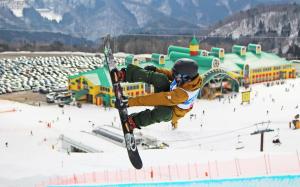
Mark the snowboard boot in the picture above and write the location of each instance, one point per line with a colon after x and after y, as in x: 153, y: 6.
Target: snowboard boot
x: 118, y: 75
x: 130, y: 124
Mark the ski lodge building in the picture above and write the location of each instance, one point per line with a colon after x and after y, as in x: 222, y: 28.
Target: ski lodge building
x: 221, y: 72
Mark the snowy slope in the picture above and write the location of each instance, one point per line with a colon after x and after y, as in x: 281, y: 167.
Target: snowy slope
x: 29, y: 159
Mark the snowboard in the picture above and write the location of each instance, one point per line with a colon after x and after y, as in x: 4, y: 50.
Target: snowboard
x: 129, y: 138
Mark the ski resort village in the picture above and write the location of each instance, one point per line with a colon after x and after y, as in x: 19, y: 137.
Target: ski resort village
x: 60, y: 119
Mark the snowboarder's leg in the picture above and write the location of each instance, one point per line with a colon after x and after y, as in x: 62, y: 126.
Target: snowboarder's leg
x: 148, y: 117
x: 158, y: 80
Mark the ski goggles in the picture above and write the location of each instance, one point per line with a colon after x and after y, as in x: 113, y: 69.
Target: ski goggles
x: 179, y: 78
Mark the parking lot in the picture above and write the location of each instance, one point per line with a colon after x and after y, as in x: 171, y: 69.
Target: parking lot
x: 22, y: 78
x: 27, y: 78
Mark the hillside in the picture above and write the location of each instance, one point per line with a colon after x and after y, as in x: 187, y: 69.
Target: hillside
x: 14, y: 40
x: 94, y: 18
x: 277, y: 27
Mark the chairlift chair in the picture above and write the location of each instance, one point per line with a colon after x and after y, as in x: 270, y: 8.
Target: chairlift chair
x: 276, y: 138
x: 240, y: 144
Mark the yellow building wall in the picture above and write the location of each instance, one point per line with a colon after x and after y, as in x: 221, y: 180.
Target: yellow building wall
x: 134, y: 90
x: 221, y: 54
x: 235, y: 75
x: 273, y: 73
x: 131, y: 90
x: 194, y: 47
x: 73, y: 85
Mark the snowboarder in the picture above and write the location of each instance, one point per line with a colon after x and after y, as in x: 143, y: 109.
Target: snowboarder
x: 175, y: 92
x: 6, y: 144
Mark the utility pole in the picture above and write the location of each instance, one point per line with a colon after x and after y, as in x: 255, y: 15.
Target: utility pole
x: 261, y: 132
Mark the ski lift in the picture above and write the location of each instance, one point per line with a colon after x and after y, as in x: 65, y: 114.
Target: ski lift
x: 262, y: 127
x: 240, y: 144
x: 276, y: 139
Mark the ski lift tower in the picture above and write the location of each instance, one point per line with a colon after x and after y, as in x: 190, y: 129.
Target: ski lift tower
x: 261, y: 132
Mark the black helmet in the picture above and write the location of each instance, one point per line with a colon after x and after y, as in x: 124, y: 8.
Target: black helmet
x: 185, y: 69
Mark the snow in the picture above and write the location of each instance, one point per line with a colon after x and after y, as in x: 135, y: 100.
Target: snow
x: 16, y: 6
x: 29, y: 159
x: 138, y: 12
x: 50, y: 14
x: 273, y: 21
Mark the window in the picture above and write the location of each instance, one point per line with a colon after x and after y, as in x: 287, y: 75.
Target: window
x: 277, y: 67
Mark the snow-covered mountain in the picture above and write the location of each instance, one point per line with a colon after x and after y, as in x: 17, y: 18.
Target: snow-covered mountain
x: 280, y: 21
x: 93, y: 18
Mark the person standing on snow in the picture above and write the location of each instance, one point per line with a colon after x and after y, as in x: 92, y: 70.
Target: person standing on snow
x: 175, y: 92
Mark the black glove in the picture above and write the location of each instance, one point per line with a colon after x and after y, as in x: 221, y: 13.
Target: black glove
x: 121, y: 103
x: 150, y: 68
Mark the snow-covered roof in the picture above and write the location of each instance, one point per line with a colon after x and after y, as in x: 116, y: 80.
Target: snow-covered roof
x: 232, y: 60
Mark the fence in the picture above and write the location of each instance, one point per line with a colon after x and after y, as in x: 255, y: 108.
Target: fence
x: 260, y: 166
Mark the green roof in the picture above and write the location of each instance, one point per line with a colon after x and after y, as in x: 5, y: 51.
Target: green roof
x: 169, y: 65
x: 233, y: 62
x: 194, y: 41
x: 80, y: 93
x: 296, y: 61
x: 98, y: 76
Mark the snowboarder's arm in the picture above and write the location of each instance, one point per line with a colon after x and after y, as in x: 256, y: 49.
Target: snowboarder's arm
x: 171, y: 98
x: 166, y: 72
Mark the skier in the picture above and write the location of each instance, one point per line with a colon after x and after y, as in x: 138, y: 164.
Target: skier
x: 175, y: 92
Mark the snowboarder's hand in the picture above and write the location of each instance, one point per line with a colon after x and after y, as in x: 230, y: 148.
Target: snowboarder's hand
x: 121, y: 103
x: 150, y: 68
